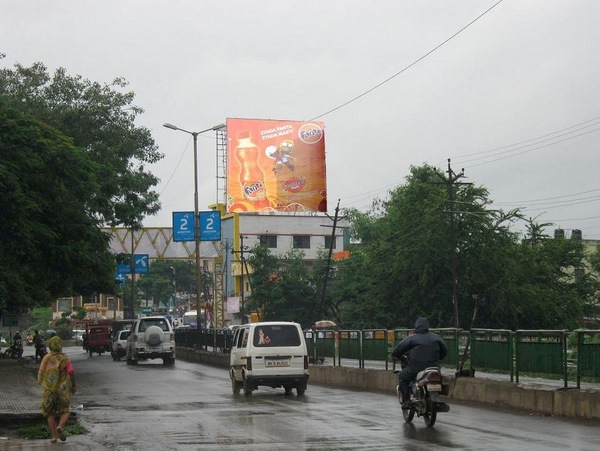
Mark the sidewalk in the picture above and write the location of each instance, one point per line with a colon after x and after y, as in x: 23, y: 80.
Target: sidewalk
x: 20, y: 394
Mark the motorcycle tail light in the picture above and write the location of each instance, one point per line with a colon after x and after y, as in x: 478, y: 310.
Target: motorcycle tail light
x: 433, y: 377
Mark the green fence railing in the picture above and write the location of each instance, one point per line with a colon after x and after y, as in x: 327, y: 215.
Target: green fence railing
x: 492, y: 349
x: 451, y: 337
x: 325, y: 344
x: 349, y: 346
x: 541, y: 352
x: 535, y: 352
x: 374, y: 346
x: 588, y: 354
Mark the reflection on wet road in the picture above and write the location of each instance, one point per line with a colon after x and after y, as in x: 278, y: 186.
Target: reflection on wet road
x: 190, y: 406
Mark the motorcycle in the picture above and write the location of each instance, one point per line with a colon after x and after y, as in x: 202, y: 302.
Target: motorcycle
x: 40, y: 348
x: 15, y: 351
x: 425, y: 393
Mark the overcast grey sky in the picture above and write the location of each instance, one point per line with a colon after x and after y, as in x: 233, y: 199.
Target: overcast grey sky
x: 500, y: 99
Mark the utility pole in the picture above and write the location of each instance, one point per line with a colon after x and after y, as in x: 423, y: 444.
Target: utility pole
x: 336, y: 218
x: 451, y: 182
x: 242, y: 282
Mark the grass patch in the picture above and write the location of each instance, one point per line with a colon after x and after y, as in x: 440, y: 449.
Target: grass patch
x: 43, y: 432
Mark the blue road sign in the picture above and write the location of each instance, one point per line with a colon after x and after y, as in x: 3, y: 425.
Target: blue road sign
x: 142, y: 263
x: 210, y: 226
x: 183, y: 226
x: 120, y: 277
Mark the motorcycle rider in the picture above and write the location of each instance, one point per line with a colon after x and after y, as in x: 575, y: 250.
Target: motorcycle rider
x: 18, y: 344
x: 40, y: 345
x: 425, y: 350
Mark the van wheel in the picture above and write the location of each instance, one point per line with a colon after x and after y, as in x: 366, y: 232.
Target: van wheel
x: 300, y: 389
x: 288, y: 390
x: 247, y: 388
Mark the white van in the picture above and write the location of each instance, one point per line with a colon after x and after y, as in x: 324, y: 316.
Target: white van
x: 271, y: 354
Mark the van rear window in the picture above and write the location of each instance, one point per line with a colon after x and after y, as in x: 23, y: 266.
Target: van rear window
x: 276, y: 335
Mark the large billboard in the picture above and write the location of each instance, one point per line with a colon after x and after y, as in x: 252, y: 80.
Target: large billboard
x: 275, y: 166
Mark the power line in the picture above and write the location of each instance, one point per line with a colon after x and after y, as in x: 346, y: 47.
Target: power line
x: 409, y: 66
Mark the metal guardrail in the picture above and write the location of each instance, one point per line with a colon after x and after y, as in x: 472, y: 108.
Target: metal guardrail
x: 541, y: 352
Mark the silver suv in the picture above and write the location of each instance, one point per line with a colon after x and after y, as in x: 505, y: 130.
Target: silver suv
x: 151, y: 337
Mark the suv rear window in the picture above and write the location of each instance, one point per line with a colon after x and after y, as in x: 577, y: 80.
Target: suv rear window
x: 145, y: 324
x: 276, y: 335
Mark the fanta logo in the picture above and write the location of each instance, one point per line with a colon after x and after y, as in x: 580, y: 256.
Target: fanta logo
x: 310, y: 133
x: 254, y: 191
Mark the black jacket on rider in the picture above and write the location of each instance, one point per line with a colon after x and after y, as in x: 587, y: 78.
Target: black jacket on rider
x: 425, y: 349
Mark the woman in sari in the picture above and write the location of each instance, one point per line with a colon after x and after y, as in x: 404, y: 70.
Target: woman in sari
x: 57, y: 379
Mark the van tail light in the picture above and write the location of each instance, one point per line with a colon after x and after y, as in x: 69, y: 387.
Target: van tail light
x: 172, y: 337
x: 305, y: 362
x: 135, y: 337
x: 249, y: 363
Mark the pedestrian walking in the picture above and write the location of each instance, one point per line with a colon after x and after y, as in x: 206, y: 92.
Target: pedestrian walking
x: 57, y: 378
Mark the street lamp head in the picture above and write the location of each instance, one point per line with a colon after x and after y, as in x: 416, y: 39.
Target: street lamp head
x: 171, y: 126
x: 219, y: 127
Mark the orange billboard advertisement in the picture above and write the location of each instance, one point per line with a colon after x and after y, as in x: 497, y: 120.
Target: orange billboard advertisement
x: 275, y: 166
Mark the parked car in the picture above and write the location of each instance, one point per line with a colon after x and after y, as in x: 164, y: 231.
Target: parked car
x: 269, y: 353
x: 151, y: 337
x: 119, y: 344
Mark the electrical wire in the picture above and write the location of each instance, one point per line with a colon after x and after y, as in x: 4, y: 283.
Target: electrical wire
x: 387, y: 80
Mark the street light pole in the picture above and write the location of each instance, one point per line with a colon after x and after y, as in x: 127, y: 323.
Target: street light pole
x: 199, y: 281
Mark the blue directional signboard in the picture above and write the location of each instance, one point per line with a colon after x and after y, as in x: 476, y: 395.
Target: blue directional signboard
x: 210, y: 226
x: 183, y: 226
x: 120, y: 277
x: 142, y: 264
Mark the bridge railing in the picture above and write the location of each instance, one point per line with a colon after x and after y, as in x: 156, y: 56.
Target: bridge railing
x: 532, y: 352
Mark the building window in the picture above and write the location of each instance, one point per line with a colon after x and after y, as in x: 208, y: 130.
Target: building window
x: 330, y: 242
x: 268, y: 240
x: 302, y: 241
x: 64, y: 304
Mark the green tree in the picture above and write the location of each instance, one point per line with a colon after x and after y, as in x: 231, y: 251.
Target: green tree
x: 167, y: 276
x: 101, y: 119
x: 402, y: 268
x: 50, y: 243
x: 283, y: 288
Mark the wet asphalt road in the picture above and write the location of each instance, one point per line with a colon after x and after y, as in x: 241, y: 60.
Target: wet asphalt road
x: 191, y: 406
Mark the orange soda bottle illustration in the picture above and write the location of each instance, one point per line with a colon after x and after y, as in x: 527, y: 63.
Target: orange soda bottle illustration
x: 252, y: 178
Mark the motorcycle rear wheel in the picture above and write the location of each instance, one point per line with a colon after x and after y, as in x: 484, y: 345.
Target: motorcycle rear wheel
x: 408, y: 414
x: 431, y: 414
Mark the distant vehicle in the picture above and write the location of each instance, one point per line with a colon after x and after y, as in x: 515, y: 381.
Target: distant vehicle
x: 190, y: 319
x: 78, y: 335
x: 121, y: 324
x: 97, y: 339
x: 151, y: 337
x: 119, y: 344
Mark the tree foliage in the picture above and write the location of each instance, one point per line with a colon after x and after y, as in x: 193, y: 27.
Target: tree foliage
x: 50, y: 243
x: 283, y: 288
x: 402, y: 268
x: 100, y: 118
x: 166, y: 277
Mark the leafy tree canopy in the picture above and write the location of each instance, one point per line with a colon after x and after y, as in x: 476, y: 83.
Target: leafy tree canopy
x: 403, y: 266
x: 100, y: 118
x: 50, y: 244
